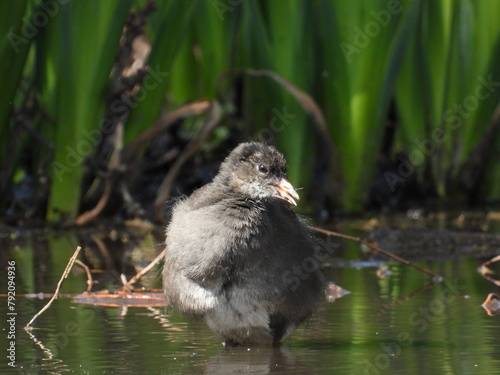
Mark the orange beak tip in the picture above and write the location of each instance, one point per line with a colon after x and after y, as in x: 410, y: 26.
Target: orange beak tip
x: 286, y: 192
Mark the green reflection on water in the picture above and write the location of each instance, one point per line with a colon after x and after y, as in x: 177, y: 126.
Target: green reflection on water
x: 381, y: 327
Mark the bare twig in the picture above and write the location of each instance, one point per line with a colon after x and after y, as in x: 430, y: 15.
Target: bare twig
x: 304, y: 99
x: 103, y: 249
x: 188, y: 152
x: 145, y: 270
x: 486, y: 272
x: 492, y: 260
x: 90, y: 282
x: 123, y: 279
x: 59, y: 284
x: 437, y: 278
x: 132, y: 150
x: 490, y: 279
x: 41, y: 295
x: 111, y: 179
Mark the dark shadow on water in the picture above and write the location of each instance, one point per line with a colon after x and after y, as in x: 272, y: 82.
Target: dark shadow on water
x: 262, y: 360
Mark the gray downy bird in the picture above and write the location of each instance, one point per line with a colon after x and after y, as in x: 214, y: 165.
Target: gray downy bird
x: 235, y: 249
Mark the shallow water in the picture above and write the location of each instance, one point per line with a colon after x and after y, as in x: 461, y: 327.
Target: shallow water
x: 398, y: 325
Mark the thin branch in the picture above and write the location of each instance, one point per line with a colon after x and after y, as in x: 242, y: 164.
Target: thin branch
x: 59, y: 284
x: 163, y: 194
x: 437, y: 278
x: 103, y: 249
x: 132, y: 150
x: 304, y: 99
x: 145, y: 270
x: 91, y: 215
x: 492, y: 260
x: 486, y: 272
x: 90, y: 282
x: 123, y: 279
x: 111, y: 180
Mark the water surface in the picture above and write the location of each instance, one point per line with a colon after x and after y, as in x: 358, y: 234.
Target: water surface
x: 402, y: 324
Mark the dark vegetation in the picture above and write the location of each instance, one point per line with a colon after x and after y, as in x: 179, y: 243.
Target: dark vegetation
x: 111, y: 108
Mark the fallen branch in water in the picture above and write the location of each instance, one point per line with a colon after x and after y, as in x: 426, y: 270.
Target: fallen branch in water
x: 41, y: 295
x: 59, y: 284
x: 437, y: 278
x: 124, y: 298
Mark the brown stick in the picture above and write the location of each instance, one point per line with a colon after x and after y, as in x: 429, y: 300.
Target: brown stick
x: 59, y: 284
x: 110, y: 181
x: 145, y: 270
x: 486, y: 272
x: 188, y: 152
x: 41, y: 295
x: 192, y: 109
x: 492, y: 260
x: 90, y: 282
x: 437, y: 278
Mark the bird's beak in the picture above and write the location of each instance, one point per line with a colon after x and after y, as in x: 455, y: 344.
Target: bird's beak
x: 286, y: 192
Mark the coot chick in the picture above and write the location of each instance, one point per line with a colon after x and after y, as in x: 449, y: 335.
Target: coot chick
x: 235, y: 251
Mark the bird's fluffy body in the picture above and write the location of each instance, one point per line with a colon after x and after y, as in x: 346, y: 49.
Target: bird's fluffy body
x: 232, y: 249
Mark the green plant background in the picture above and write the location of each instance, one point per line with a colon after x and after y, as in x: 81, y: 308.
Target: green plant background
x: 423, y: 58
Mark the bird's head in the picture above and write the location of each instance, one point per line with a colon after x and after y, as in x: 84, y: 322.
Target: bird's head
x: 257, y: 171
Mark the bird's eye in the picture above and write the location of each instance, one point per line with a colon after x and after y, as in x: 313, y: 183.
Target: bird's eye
x: 262, y: 169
